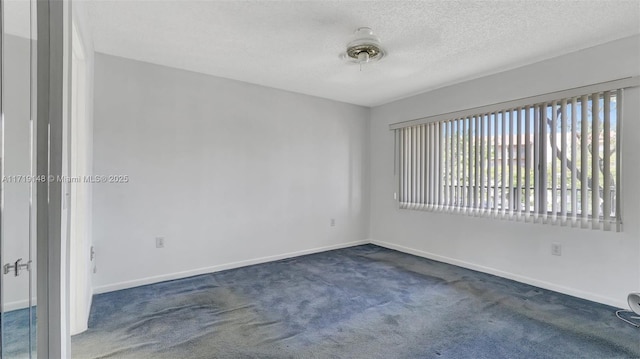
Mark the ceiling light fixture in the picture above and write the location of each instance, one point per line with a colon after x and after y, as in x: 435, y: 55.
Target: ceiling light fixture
x: 364, y: 47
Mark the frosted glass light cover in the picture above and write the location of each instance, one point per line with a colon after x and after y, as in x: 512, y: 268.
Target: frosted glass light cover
x: 364, y: 47
x: 364, y: 35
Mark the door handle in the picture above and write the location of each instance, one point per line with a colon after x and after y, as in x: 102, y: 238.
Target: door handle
x: 16, y: 266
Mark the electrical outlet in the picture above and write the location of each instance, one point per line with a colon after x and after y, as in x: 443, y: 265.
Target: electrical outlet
x: 556, y: 249
x: 332, y: 222
x: 159, y: 242
x: 92, y: 259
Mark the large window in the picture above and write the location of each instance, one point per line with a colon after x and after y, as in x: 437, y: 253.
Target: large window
x: 555, y: 161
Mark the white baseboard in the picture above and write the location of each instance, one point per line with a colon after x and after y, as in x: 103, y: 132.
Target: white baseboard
x: 220, y: 267
x: 18, y: 304
x: 518, y: 278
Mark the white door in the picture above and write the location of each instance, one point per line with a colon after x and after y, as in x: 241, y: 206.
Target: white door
x: 17, y: 234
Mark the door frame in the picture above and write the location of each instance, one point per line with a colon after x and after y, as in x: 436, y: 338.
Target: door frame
x: 53, y: 19
x: 1, y: 170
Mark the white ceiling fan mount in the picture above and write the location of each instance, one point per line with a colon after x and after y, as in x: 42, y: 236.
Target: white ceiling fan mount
x: 364, y: 47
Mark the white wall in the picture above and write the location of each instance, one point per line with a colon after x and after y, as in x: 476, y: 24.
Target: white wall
x: 81, y: 164
x: 599, y: 266
x: 15, y: 231
x: 229, y: 173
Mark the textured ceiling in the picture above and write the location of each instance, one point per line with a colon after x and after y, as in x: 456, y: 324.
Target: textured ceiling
x: 295, y: 45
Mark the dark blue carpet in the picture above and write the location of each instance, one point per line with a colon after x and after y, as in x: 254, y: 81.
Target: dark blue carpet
x: 360, y: 302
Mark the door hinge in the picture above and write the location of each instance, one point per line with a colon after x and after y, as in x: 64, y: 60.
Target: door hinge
x: 16, y: 267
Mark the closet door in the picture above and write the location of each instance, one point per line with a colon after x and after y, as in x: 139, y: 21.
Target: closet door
x: 18, y: 180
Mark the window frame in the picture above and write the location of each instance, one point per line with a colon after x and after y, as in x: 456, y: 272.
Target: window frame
x: 436, y: 132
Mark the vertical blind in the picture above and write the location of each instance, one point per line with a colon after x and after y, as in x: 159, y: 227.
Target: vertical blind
x: 555, y: 162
